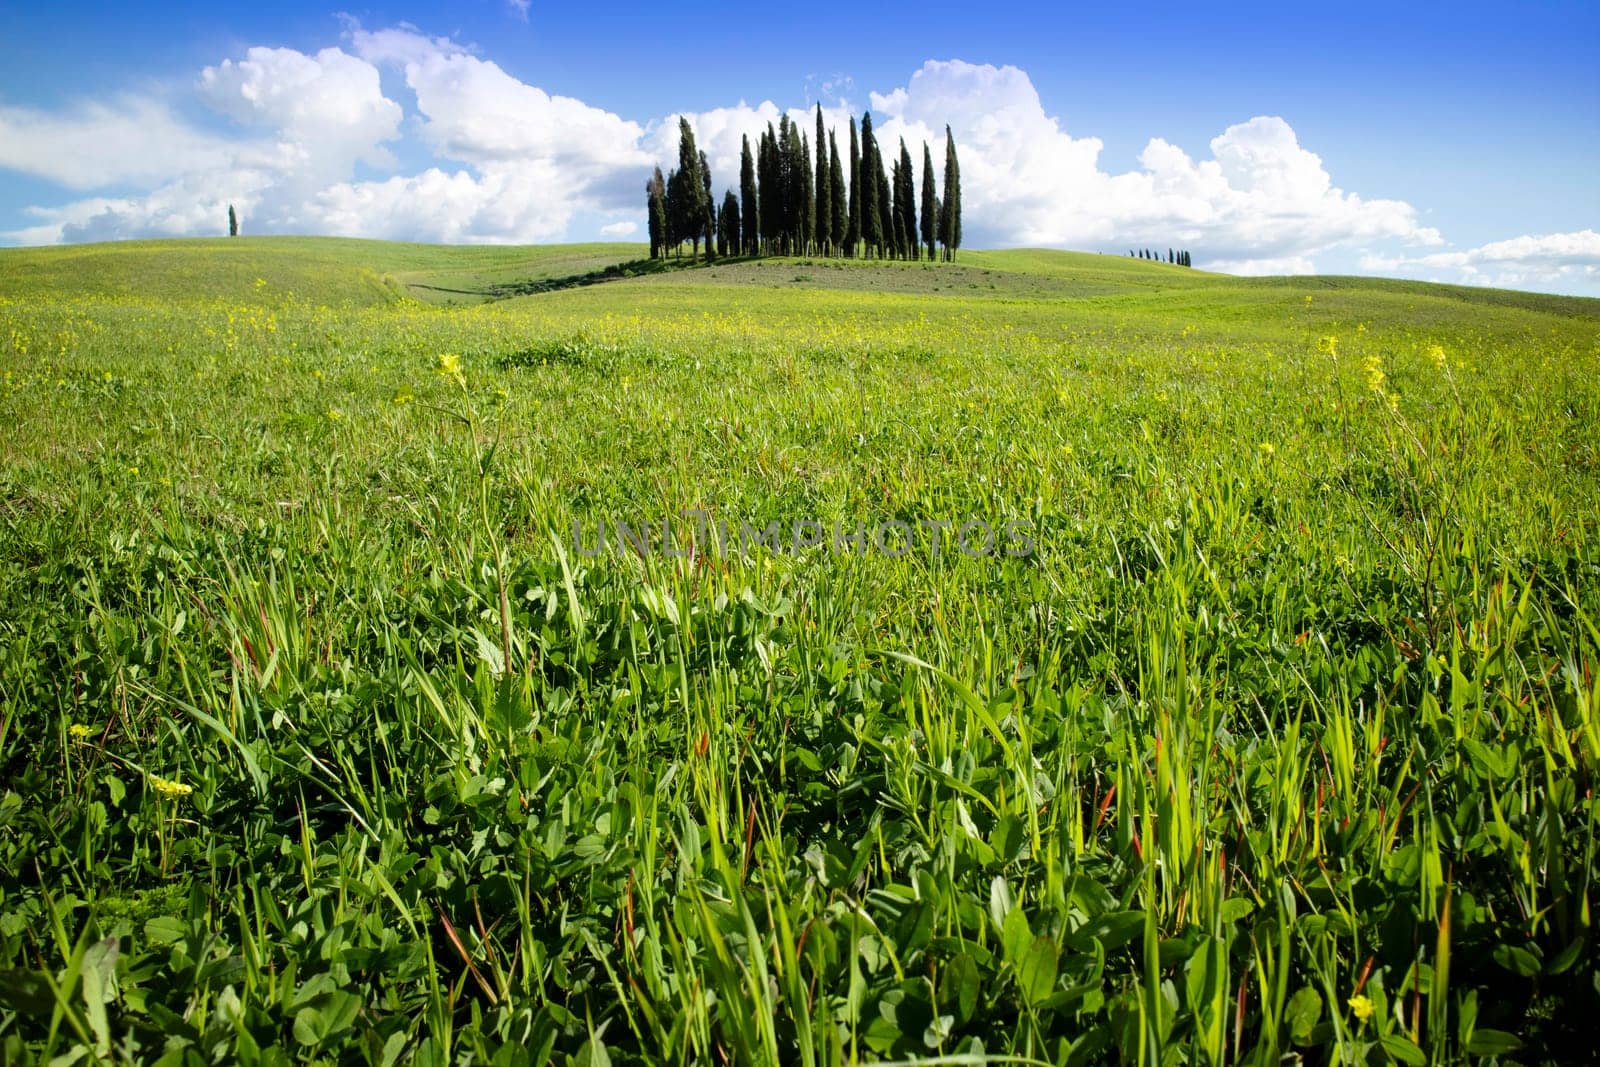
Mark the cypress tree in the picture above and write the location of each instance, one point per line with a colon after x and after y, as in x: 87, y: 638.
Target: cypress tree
x: 788, y: 224
x: 871, y: 174
x: 824, y: 190
x: 906, y: 204
x: 233, y: 222
x: 852, y: 233
x: 747, y: 193
x: 808, y: 198
x: 728, y: 224
x: 950, y: 217
x: 839, y: 194
x: 930, y: 213
x: 687, y: 197
x: 897, y: 208
x: 656, y: 201
x: 708, y: 207
x: 886, y: 245
x: 673, y: 201
x: 771, y: 216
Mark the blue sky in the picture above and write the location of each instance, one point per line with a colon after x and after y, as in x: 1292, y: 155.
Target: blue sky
x: 1456, y: 142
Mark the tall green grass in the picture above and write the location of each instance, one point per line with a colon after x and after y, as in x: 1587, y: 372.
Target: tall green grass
x: 321, y: 743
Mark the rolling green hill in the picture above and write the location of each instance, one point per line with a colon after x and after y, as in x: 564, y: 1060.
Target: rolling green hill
x: 1047, y: 656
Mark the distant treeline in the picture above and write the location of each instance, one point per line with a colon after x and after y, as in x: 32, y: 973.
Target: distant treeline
x: 1179, y: 258
x: 793, y: 201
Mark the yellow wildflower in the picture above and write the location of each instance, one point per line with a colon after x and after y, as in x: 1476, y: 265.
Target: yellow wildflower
x: 1329, y: 346
x: 1436, y: 354
x: 79, y: 731
x: 449, y: 366
x: 169, y: 788
x: 334, y: 414
x: 1361, y: 1007
x: 1373, y: 368
x: 1267, y: 449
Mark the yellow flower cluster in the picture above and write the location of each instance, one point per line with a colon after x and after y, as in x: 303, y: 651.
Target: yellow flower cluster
x: 1437, y: 356
x: 448, y: 365
x: 169, y: 788
x: 79, y: 731
x: 1372, y: 367
x: 1361, y: 1007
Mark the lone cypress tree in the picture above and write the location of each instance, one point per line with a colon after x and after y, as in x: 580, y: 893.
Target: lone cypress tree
x: 950, y: 216
x: 852, y: 233
x: 233, y: 222
x: 824, y: 191
x: 871, y: 176
x: 747, y: 193
x: 656, y: 203
x: 839, y: 195
x: 930, y: 210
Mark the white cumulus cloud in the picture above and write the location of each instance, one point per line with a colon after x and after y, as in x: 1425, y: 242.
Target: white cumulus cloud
x: 1569, y: 261
x: 325, y: 111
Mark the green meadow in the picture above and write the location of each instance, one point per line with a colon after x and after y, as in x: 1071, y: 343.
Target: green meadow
x: 327, y: 735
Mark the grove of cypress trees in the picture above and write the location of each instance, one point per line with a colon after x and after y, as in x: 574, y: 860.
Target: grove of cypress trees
x: 839, y: 193
x: 747, y: 194
x: 824, y: 190
x: 790, y: 202
x: 950, y: 215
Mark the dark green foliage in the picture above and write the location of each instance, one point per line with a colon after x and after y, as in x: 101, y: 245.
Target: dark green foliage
x: 930, y: 204
x: 233, y: 222
x: 728, y: 225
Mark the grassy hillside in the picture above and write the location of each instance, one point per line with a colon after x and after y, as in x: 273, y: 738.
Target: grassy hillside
x: 1272, y: 735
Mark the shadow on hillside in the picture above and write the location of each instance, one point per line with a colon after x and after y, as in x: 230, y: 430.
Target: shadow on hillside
x: 616, y: 272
